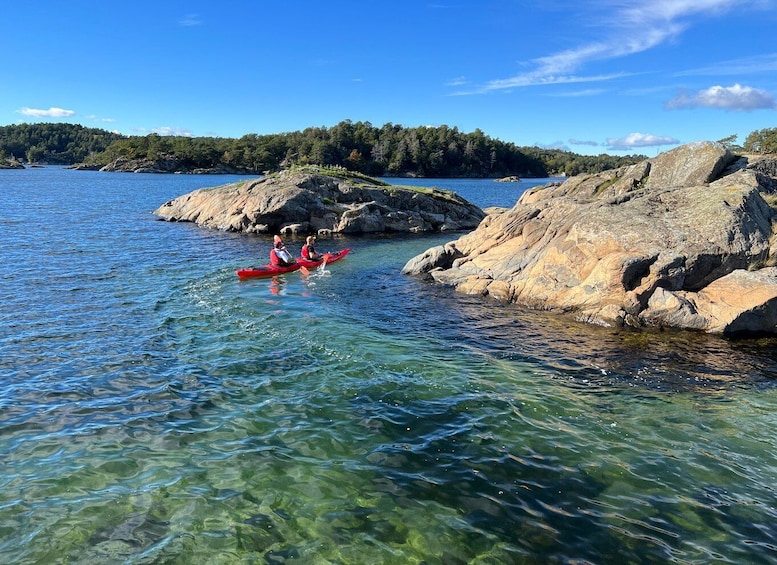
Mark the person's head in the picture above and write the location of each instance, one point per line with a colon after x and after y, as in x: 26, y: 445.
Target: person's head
x: 277, y: 241
x: 311, y: 239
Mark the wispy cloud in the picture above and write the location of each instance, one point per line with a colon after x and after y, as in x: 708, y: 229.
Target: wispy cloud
x: 547, y: 76
x: 579, y: 93
x: 50, y: 113
x: 559, y: 145
x: 163, y: 131
x: 643, y: 91
x: 190, y: 20
x: 166, y: 130
x: 458, y: 81
x: 746, y: 66
x: 633, y: 140
x: 631, y: 27
x: 582, y: 142
x: 736, y: 98
x: 99, y: 119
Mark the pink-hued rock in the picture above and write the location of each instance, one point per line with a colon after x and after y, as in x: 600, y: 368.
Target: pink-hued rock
x: 653, y: 244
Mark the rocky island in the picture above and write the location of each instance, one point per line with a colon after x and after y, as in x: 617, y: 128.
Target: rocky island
x: 10, y: 164
x: 323, y: 200
x: 160, y: 165
x: 684, y: 240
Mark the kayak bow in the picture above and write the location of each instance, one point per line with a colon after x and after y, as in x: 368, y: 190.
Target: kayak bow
x: 266, y: 271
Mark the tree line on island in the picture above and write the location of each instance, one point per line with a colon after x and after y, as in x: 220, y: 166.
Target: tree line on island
x: 391, y: 150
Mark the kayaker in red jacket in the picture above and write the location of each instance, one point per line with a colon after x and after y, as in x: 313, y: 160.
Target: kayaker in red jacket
x: 279, y: 255
x: 309, y: 251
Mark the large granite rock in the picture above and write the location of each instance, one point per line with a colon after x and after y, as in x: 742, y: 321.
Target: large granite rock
x: 678, y: 241
x: 312, y: 200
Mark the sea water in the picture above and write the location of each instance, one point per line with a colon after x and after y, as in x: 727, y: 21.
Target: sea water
x: 156, y: 409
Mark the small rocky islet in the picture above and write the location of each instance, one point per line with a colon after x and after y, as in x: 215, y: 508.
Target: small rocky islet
x: 11, y: 164
x: 322, y: 200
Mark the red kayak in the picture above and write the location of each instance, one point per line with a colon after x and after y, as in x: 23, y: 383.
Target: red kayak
x: 328, y: 258
x: 266, y: 271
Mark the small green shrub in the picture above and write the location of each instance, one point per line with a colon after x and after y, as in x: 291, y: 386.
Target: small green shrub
x: 605, y: 185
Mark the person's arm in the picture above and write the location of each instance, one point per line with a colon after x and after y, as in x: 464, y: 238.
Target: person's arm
x: 285, y: 257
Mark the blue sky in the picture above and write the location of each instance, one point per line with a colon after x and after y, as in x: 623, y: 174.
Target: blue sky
x: 609, y: 76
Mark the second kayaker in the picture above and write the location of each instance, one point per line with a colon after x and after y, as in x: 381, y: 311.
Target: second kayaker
x: 309, y: 251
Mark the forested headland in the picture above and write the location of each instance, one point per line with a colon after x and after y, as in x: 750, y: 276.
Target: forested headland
x: 53, y: 144
x: 390, y: 150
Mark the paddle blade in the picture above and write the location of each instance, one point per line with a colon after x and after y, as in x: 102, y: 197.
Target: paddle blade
x: 304, y: 270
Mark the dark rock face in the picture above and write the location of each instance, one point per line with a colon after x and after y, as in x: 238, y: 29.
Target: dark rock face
x: 680, y: 240
x: 310, y: 201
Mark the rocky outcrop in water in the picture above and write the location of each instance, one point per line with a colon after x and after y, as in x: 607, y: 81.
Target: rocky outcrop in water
x: 682, y: 240
x: 10, y: 164
x: 313, y: 200
x: 162, y: 165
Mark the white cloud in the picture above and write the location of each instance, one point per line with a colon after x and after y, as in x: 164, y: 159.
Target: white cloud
x: 50, y: 113
x: 631, y: 27
x: 633, y: 140
x: 733, y: 98
x: 166, y: 130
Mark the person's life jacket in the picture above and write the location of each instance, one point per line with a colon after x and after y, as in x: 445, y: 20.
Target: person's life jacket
x: 306, y: 251
x: 280, y: 257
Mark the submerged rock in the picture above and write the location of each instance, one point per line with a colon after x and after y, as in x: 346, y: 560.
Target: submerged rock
x: 673, y: 241
x: 312, y: 199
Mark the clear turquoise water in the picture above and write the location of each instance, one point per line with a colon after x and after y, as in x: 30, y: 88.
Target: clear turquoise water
x: 155, y: 409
